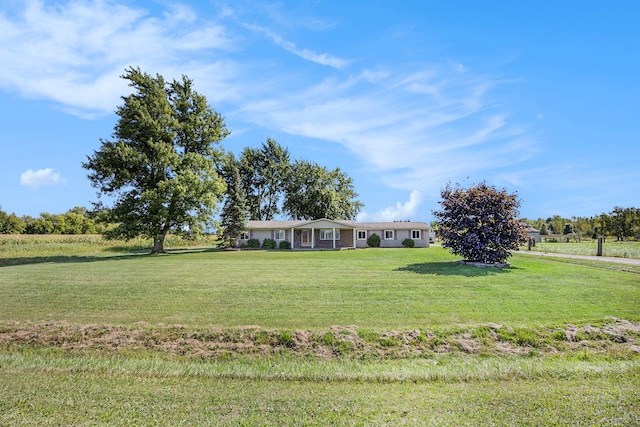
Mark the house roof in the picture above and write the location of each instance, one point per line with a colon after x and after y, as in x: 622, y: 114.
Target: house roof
x: 393, y: 225
x: 298, y: 223
x: 390, y: 225
x: 273, y: 224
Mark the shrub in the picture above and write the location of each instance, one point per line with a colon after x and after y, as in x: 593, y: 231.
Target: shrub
x: 373, y: 241
x: 284, y: 245
x: 253, y: 243
x: 480, y: 223
x: 408, y: 243
x: 268, y: 244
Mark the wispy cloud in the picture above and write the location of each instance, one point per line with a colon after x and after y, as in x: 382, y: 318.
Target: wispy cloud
x: 73, y: 52
x: 420, y: 128
x: 304, y: 53
x: 40, y: 178
x: 401, y: 211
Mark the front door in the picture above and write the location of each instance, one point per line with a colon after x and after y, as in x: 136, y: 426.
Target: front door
x: 305, y: 238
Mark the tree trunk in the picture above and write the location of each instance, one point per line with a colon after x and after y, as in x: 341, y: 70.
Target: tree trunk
x: 158, y: 244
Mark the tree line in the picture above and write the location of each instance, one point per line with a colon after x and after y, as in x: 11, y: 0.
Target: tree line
x: 621, y: 223
x: 78, y: 220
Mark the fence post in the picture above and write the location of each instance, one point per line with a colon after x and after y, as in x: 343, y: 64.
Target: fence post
x: 599, y: 246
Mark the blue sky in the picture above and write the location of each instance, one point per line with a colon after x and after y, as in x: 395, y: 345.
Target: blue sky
x: 540, y: 98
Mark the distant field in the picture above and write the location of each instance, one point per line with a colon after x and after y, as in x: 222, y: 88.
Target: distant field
x: 100, y: 333
x: 610, y: 248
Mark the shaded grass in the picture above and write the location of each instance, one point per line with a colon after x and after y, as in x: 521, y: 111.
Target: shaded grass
x: 30, y: 248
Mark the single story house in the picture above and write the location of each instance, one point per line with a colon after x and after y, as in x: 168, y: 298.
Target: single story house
x: 337, y: 234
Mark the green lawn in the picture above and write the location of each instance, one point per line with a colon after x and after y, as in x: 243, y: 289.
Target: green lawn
x: 379, y: 289
x: 201, y: 336
x: 125, y: 392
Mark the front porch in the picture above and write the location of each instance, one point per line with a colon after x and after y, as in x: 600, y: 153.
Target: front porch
x: 322, y: 238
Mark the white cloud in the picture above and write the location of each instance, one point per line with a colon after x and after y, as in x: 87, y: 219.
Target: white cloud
x: 416, y: 129
x: 40, y: 178
x: 74, y: 52
x: 399, y: 212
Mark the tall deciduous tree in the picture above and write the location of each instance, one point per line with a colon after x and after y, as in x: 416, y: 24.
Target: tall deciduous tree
x: 264, y: 172
x: 161, y: 166
x: 480, y: 223
x: 233, y: 217
x: 314, y: 192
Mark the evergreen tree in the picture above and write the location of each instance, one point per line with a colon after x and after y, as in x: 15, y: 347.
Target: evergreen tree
x: 234, y: 215
x: 568, y: 229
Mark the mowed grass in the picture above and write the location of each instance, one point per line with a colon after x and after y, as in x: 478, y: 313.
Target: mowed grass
x: 148, y: 392
x: 378, y: 290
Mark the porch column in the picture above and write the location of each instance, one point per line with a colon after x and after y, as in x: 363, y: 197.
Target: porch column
x: 333, y: 233
x: 354, y: 238
x: 293, y: 239
x: 313, y: 237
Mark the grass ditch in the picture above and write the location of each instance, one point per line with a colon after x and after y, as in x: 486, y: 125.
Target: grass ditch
x: 614, y: 338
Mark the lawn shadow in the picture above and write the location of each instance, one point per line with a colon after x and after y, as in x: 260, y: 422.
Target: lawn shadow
x: 73, y: 259
x: 62, y: 259
x: 453, y: 268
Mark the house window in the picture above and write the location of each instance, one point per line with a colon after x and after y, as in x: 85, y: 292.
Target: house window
x: 362, y: 235
x: 389, y: 234
x: 416, y: 234
x: 278, y: 234
x: 328, y: 234
x: 244, y: 235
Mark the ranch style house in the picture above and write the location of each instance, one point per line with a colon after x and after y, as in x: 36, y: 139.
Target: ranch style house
x: 337, y: 234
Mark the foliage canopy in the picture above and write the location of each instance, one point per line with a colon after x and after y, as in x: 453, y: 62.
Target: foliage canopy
x: 480, y: 223
x: 264, y: 172
x: 314, y: 192
x: 161, y: 166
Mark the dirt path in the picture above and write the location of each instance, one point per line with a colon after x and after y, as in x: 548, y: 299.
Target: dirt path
x: 629, y: 261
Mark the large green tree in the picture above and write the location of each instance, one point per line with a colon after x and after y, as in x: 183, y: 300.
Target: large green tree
x: 161, y: 166
x: 480, y: 223
x: 264, y: 172
x: 314, y: 192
